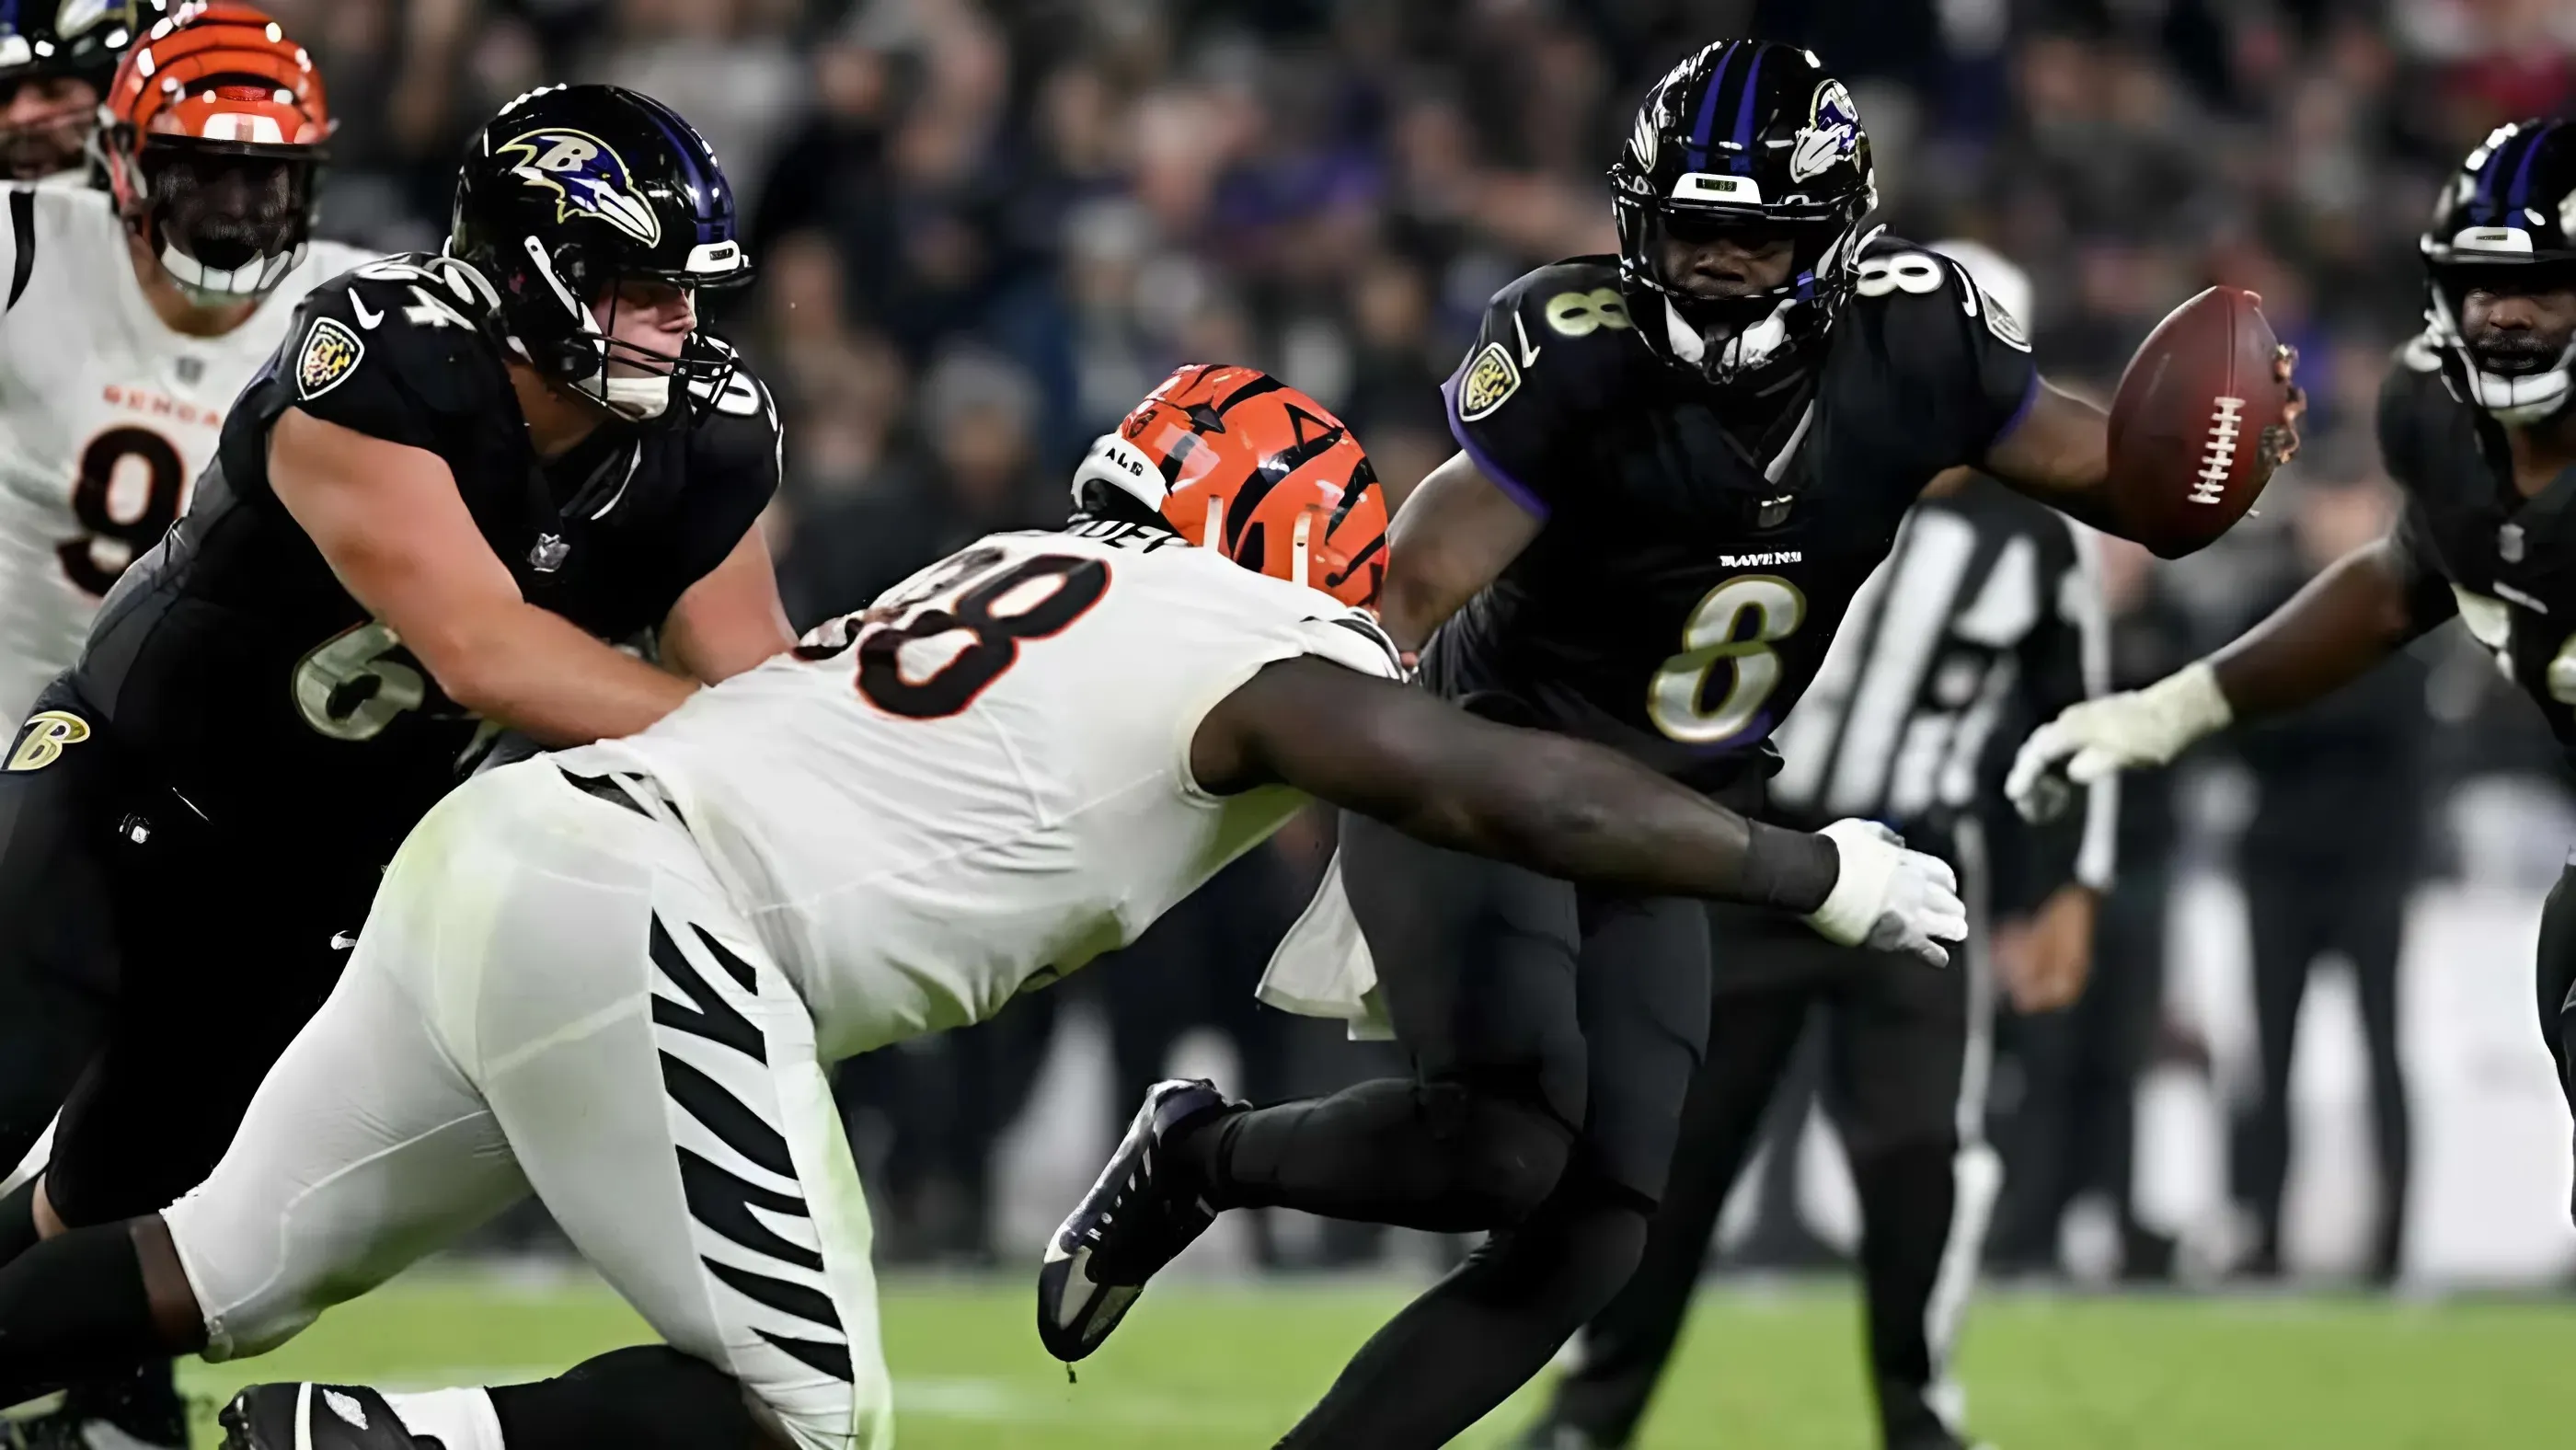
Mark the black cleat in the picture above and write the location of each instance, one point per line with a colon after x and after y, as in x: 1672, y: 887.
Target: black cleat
x: 316, y: 1417
x: 1136, y: 1218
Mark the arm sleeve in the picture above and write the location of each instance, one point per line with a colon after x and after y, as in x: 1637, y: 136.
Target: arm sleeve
x: 1509, y: 404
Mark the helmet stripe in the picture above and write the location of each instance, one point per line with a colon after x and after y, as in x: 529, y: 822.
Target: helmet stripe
x: 2484, y: 208
x: 1744, y: 115
x: 1705, y: 125
x: 2521, y: 194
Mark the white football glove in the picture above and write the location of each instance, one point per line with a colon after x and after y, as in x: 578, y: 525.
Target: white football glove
x: 1888, y: 898
x: 2114, y: 733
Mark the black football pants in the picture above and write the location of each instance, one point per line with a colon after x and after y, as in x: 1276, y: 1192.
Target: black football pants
x: 1906, y: 1060
x: 152, y: 967
x: 1554, y: 1034
x: 2294, y: 919
x: 2554, y: 982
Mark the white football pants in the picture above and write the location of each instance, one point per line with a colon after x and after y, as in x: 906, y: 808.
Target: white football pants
x: 553, y: 994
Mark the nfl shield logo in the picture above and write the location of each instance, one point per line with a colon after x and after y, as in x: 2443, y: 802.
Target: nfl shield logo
x: 2509, y: 543
x: 191, y: 369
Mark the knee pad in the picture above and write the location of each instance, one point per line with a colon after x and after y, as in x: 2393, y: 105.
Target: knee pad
x: 1507, y: 1150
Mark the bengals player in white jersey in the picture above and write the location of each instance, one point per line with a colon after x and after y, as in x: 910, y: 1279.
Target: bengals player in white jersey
x: 614, y: 976
x: 130, y: 317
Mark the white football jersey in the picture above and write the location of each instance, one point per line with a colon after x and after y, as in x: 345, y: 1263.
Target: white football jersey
x: 106, y: 416
x: 983, y: 782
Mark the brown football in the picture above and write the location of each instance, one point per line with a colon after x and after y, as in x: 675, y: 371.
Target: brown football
x: 2190, y: 424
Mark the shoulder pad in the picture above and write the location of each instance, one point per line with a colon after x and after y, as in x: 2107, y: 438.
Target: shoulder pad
x: 426, y: 324
x: 1575, y: 298
x: 1893, y: 270
x: 1563, y: 329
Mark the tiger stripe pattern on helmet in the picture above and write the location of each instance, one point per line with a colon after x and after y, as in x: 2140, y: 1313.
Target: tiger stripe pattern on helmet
x: 1236, y: 460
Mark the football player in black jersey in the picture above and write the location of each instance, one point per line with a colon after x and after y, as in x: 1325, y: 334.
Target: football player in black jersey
x: 457, y: 478
x: 2475, y: 427
x: 1677, y: 466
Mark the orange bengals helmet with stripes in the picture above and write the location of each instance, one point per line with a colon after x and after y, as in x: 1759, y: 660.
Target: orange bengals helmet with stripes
x: 212, y: 143
x: 1234, y: 459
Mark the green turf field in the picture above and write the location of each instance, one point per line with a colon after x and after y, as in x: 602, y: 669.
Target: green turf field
x: 1200, y: 1368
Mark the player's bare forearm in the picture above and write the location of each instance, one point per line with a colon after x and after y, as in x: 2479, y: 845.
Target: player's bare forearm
x: 2347, y: 619
x: 1559, y: 806
x: 1453, y: 535
x: 2060, y: 455
x: 538, y: 673
x: 389, y: 521
x: 730, y: 620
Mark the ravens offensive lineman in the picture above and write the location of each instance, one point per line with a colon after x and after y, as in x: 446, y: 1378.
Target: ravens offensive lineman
x: 455, y: 479
x: 2475, y: 427
x: 1677, y: 466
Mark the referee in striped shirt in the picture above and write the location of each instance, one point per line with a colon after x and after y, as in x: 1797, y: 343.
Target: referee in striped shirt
x: 1984, y: 621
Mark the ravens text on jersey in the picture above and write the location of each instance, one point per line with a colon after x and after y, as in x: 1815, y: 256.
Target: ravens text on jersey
x: 1700, y: 546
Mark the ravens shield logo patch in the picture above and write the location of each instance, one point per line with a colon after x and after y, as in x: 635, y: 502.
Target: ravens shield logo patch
x: 1491, y: 378
x: 330, y: 353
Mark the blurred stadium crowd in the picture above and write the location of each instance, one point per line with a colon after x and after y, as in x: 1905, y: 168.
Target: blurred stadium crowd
x: 984, y: 227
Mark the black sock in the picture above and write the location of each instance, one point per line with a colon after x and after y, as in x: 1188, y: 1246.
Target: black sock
x: 73, y: 1308
x: 1486, y: 1329
x: 18, y: 1220
x: 651, y: 1397
x: 1437, y: 1156
x: 1908, y: 1201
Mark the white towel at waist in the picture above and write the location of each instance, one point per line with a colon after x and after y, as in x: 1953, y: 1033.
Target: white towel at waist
x: 1322, y: 967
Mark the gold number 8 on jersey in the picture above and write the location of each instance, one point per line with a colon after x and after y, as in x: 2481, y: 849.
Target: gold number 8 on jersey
x: 1577, y: 314
x: 1710, y: 641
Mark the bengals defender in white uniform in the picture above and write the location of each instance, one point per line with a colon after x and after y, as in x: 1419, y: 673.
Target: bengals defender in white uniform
x: 131, y: 319
x: 614, y: 975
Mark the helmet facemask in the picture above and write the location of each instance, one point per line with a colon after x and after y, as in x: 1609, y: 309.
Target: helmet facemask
x: 227, y: 221
x: 1789, y: 279
x: 2520, y: 376
x: 584, y: 354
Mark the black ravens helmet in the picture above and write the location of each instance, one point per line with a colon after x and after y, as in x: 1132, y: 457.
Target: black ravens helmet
x: 1753, y: 139
x: 2506, y: 223
x: 573, y: 192
x: 56, y: 57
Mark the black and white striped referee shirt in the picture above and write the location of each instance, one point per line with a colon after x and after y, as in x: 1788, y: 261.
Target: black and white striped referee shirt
x: 1985, y: 620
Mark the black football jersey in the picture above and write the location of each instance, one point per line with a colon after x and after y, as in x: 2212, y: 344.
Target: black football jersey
x: 1693, y: 565
x: 233, y: 661
x: 2469, y: 543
